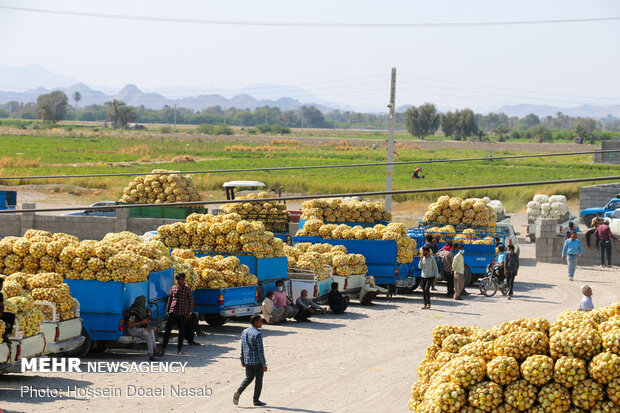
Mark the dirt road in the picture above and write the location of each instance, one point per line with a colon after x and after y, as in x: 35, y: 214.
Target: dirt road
x: 362, y: 361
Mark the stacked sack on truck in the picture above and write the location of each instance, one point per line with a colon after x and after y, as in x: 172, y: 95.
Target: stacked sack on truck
x: 406, y: 246
x: 339, y: 210
x: 468, y: 236
x: 273, y: 214
x: 118, y: 257
x: 525, y: 365
x: 543, y: 206
x: 457, y: 211
x: 216, y: 271
x: 221, y: 233
x: 319, y: 258
x: 160, y: 188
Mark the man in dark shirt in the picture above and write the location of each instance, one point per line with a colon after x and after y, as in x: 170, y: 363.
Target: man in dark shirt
x: 446, y: 262
x: 179, y: 307
x: 596, y: 222
x: 511, y: 267
x: 431, y: 243
x: 337, y: 303
x: 252, y: 360
x: 8, y: 318
x: 604, y: 235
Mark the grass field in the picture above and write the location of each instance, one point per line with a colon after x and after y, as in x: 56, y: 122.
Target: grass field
x: 56, y: 154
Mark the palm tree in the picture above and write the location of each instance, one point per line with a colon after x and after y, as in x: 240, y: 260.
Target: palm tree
x: 77, y: 96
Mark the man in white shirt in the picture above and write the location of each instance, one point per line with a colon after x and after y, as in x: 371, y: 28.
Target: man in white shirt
x: 458, y: 266
x: 586, y: 302
x: 272, y: 314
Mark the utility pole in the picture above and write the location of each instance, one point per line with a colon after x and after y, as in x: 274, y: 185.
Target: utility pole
x: 390, y: 146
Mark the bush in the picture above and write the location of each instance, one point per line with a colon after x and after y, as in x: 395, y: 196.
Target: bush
x: 252, y: 131
x: 263, y: 128
x: 165, y: 129
x: 205, y: 128
x: 222, y: 129
x: 282, y: 130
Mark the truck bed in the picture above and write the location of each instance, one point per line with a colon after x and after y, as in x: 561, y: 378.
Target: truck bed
x: 350, y: 285
x: 227, y: 302
x: 62, y: 336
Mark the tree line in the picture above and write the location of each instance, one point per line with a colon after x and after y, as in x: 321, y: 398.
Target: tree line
x: 421, y: 121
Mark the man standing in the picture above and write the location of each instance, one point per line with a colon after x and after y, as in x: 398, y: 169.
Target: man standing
x: 307, y: 308
x: 445, y: 254
x: 604, y: 235
x: 571, y: 251
x: 596, y: 222
x: 252, y: 360
x: 511, y: 267
x: 458, y: 266
x: 428, y: 265
x: 179, y: 307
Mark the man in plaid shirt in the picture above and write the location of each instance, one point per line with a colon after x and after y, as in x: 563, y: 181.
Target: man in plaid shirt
x: 179, y: 307
x: 252, y: 359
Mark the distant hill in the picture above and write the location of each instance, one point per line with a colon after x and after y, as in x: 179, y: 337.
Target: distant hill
x: 132, y: 95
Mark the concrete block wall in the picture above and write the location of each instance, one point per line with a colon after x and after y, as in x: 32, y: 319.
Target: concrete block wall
x: 82, y: 227
x: 550, y: 250
x: 597, y: 196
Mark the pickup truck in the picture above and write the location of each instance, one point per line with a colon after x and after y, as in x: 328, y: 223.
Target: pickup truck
x: 350, y: 285
x: 218, y: 306
x: 380, y: 260
x: 18, y: 348
x: 586, y: 215
x: 103, y: 306
x: 61, y: 336
x: 300, y: 279
x: 614, y: 222
x: 561, y: 226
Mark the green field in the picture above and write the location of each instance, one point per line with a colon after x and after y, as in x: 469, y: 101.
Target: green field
x: 55, y: 155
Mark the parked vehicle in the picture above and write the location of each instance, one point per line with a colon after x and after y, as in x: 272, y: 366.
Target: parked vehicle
x: 8, y: 200
x: 18, y: 348
x: 218, y: 306
x: 300, y: 279
x: 509, y: 233
x: 106, y: 212
x: 350, y: 286
x: 61, y: 336
x: 586, y: 215
x: 493, y: 281
x: 103, y: 306
x: 614, y: 222
x: 561, y: 227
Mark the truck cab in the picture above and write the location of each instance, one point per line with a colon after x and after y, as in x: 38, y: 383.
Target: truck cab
x: 587, y: 215
x: 614, y: 222
x: 508, y: 230
x: 561, y: 226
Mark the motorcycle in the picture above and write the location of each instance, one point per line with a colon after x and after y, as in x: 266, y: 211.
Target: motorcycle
x: 494, y: 280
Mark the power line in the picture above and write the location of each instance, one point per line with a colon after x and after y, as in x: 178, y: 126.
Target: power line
x: 310, y: 24
x: 289, y: 168
x: 305, y: 197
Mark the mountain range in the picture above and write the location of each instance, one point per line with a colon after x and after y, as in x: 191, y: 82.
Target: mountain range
x: 35, y: 80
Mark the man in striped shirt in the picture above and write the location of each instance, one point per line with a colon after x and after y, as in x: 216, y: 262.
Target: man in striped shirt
x: 252, y: 359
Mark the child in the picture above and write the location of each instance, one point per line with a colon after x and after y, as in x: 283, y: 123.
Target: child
x: 586, y: 302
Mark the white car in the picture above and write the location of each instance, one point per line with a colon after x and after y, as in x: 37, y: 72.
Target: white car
x: 508, y: 230
x: 561, y: 226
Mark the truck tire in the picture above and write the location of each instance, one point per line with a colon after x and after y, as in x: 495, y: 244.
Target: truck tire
x: 588, y: 220
x: 84, y: 349
x: 215, y: 320
x: 532, y: 238
x: 469, y: 277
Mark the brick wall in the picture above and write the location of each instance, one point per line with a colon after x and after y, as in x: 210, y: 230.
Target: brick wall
x: 549, y: 246
x: 597, y: 196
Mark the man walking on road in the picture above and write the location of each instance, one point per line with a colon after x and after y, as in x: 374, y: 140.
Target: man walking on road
x: 604, y: 236
x: 511, y: 267
x: 571, y: 251
x: 253, y: 360
x: 178, y: 309
x: 458, y: 266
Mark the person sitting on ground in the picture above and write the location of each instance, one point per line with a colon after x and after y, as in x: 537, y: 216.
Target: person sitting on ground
x: 272, y: 314
x: 280, y: 299
x: 8, y: 318
x: 307, y: 307
x: 586, y: 303
x: 596, y: 222
x: 192, y: 329
x: 139, y: 326
x: 370, y: 291
x: 416, y: 173
x: 337, y: 303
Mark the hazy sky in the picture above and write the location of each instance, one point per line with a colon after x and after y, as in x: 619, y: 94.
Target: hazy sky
x: 536, y: 63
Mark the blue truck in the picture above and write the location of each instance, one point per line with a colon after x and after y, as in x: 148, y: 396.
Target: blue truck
x: 380, y: 260
x: 218, y: 306
x: 8, y: 200
x: 103, y: 307
x: 477, y: 256
x: 587, y: 215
